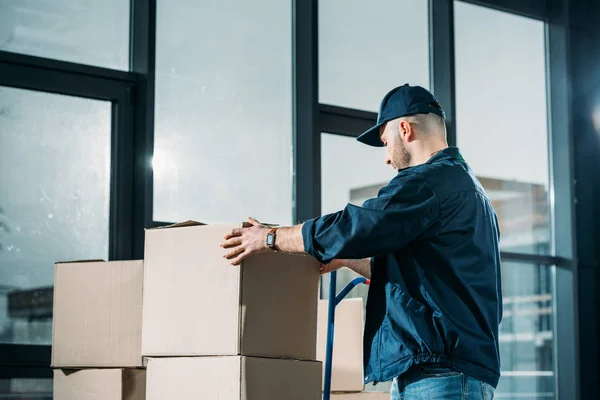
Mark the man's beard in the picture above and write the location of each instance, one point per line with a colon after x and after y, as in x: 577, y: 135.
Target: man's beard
x: 402, y: 157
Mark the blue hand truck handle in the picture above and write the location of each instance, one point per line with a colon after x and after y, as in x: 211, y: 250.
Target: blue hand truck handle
x: 331, y: 322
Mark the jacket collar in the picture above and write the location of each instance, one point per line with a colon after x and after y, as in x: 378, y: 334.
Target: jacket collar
x: 448, y: 153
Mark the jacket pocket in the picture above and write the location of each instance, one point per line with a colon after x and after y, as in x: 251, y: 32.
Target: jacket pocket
x: 402, y: 328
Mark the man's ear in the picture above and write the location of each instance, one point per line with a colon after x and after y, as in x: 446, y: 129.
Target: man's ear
x: 406, y: 130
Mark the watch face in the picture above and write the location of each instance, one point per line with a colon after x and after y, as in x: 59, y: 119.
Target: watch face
x: 270, y: 239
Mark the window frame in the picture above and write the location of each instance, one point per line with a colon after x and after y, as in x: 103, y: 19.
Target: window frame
x: 133, y: 206
x: 131, y: 95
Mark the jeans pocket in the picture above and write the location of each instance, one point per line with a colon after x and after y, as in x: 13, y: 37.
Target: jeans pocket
x: 487, y: 391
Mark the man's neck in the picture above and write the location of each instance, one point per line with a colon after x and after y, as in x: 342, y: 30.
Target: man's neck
x: 426, y: 152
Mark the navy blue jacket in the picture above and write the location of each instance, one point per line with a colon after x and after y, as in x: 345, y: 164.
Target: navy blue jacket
x: 435, y: 293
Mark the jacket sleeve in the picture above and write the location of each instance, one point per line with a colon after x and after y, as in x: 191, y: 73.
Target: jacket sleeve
x: 402, y: 211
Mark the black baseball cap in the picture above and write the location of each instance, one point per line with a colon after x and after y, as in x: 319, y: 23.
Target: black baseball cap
x: 400, y: 102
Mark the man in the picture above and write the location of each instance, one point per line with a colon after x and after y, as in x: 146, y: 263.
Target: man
x: 429, y: 244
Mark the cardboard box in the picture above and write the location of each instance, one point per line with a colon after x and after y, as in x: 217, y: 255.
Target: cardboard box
x: 97, y: 314
x: 233, y: 378
x: 347, y: 369
x: 361, y: 396
x: 100, y: 384
x: 197, y: 303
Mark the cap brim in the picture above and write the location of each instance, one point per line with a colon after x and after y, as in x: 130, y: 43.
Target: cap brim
x: 371, y: 137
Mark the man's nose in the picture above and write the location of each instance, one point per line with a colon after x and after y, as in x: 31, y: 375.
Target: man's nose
x: 388, y: 161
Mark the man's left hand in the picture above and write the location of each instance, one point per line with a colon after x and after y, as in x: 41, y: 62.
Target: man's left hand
x: 246, y: 242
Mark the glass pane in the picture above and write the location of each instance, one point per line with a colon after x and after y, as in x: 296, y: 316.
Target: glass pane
x: 223, y: 147
x: 526, y: 332
x: 366, y: 48
x: 350, y: 173
x: 26, y: 389
x: 501, y: 119
x: 86, y: 32
x: 54, y: 202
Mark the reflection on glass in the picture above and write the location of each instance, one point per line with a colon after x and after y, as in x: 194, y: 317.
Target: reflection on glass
x: 21, y: 389
x: 54, y: 202
x: 502, y: 119
x: 526, y: 332
x: 351, y: 172
x: 364, y: 50
x: 223, y: 147
x: 347, y: 168
x: 86, y: 32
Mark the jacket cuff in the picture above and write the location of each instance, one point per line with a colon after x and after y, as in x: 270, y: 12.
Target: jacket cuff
x: 308, y: 239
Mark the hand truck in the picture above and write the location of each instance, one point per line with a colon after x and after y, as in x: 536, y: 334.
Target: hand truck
x: 334, y: 300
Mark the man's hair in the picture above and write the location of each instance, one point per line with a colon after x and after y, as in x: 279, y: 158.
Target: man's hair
x: 426, y: 122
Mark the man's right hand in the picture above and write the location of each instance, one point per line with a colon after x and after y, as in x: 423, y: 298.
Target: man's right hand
x: 333, y: 266
x: 361, y: 267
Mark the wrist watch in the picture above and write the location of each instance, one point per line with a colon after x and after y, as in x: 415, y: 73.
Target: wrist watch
x: 271, y: 236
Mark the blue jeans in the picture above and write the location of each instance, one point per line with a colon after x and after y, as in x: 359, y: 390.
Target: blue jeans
x: 433, y: 383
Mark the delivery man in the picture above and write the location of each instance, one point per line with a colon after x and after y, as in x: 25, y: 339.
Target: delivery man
x: 429, y: 244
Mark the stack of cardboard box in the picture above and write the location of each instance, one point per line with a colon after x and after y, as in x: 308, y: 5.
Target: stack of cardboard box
x: 96, y: 336
x: 347, y: 376
x: 185, y: 324
x: 216, y: 331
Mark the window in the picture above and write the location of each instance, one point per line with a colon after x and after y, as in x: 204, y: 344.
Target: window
x: 526, y: 332
x: 39, y: 389
x: 351, y: 172
x: 502, y: 129
x: 223, y: 125
x: 54, y: 202
x: 368, y: 48
x: 502, y: 119
x: 86, y: 32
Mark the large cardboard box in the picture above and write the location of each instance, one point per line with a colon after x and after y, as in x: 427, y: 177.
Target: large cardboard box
x: 347, y: 366
x: 100, y: 384
x: 197, y: 303
x: 361, y: 396
x: 233, y: 378
x: 97, y: 314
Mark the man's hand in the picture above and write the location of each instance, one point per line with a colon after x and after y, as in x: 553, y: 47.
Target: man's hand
x: 246, y: 242
x: 332, y: 266
x: 361, y: 267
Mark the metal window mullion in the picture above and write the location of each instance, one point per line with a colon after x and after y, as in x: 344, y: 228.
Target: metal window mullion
x: 25, y: 361
x: 306, y: 135
x: 344, y: 121
x: 537, y: 259
x: 142, y: 62
x: 121, y: 181
x: 441, y: 61
x: 41, y: 79
x: 25, y: 372
x: 535, y: 9
x: 560, y: 143
x: 73, y: 69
